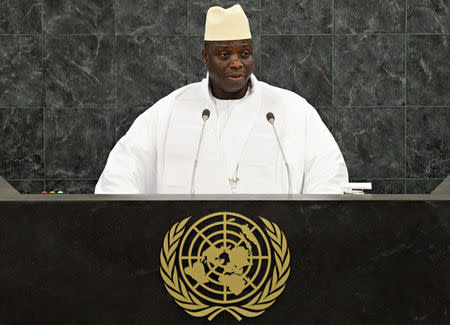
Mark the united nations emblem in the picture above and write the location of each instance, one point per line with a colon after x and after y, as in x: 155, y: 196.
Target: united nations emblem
x: 225, y: 262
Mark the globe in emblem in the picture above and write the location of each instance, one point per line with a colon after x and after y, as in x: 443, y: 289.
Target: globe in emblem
x: 224, y: 257
x: 225, y: 262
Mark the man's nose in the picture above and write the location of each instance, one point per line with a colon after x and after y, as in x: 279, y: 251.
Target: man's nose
x: 236, y: 62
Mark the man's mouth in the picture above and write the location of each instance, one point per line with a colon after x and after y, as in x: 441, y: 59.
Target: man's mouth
x: 236, y: 77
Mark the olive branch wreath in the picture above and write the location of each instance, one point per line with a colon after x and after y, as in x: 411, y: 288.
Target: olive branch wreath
x: 193, y: 306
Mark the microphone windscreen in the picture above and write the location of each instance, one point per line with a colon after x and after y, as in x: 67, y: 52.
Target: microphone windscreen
x: 270, y: 117
x: 205, y: 114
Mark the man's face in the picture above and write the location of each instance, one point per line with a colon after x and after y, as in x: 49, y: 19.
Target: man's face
x: 230, y: 64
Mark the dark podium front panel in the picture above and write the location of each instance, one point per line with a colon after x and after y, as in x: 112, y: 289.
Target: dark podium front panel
x: 85, y: 259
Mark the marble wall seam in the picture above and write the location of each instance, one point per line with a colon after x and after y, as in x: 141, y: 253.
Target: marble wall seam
x: 333, y: 72
x: 405, y: 99
x: 43, y: 100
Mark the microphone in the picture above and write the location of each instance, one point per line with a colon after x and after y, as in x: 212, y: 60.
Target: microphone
x: 205, y: 116
x: 271, y: 119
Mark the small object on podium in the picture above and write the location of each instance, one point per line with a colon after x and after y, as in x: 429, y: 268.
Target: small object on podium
x: 52, y: 192
x: 234, y: 184
x: 356, y: 188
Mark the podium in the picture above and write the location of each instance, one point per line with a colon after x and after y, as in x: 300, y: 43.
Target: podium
x: 96, y: 259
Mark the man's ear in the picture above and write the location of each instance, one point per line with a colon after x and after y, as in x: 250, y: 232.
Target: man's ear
x: 205, y: 57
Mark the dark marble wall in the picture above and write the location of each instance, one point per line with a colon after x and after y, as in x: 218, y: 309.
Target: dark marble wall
x: 75, y: 74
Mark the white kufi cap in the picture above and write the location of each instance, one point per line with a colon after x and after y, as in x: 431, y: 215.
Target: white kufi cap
x: 226, y: 24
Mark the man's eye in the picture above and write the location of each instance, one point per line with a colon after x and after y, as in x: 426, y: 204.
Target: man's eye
x: 224, y: 54
x: 245, y: 53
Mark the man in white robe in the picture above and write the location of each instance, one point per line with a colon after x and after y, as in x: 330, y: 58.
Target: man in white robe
x: 238, y: 150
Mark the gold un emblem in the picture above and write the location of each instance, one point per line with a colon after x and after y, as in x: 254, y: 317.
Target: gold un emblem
x: 225, y: 262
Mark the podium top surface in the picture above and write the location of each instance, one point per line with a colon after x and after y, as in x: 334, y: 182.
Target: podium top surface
x: 223, y: 197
